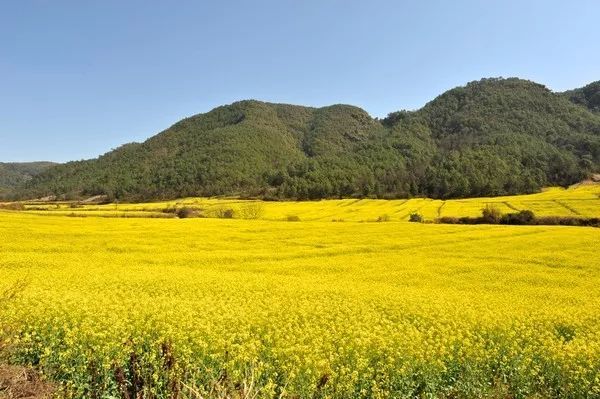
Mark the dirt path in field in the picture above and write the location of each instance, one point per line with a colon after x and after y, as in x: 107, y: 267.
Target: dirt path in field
x: 18, y: 382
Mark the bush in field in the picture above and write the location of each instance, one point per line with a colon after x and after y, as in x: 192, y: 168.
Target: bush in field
x: 188, y: 212
x: 490, y: 214
x: 225, y: 213
x: 525, y: 217
x: 449, y: 220
x: 568, y: 221
x: 293, y: 218
x: 415, y: 217
x: 521, y: 217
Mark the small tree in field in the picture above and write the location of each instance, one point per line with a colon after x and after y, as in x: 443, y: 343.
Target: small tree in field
x: 491, y: 214
x: 225, y: 213
x: 415, y: 217
x: 521, y: 217
x: 187, y: 212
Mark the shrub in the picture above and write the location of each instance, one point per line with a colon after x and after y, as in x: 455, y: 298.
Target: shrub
x: 293, y: 218
x: 525, y: 217
x: 448, y: 220
x: 187, y: 212
x: 568, y: 221
x: 228, y: 214
x: 491, y: 214
x: 225, y: 213
x: 593, y: 222
x: 415, y: 217
x: 521, y: 217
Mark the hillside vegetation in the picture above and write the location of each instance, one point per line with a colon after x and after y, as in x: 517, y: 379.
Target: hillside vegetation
x: 13, y: 174
x: 588, y: 96
x: 490, y: 137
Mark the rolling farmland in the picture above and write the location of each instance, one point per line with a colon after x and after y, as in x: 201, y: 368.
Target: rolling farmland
x: 577, y: 201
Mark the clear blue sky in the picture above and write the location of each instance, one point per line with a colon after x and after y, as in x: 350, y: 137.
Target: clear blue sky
x: 78, y: 78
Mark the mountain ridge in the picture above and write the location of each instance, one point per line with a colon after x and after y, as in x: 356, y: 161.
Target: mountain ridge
x: 490, y: 137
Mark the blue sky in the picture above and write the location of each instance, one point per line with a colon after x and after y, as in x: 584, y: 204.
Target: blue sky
x: 78, y: 78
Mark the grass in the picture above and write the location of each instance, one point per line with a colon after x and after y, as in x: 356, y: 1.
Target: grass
x: 261, y: 308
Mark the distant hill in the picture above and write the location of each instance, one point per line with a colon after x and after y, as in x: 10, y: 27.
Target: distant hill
x: 490, y: 137
x: 588, y: 96
x: 508, y: 135
x: 17, y: 173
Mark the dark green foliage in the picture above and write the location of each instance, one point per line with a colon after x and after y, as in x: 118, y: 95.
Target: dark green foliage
x: 415, y: 217
x: 491, y: 137
x: 499, y: 136
x: 521, y: 217
x: 17, y: 173
x: 588, y: 96
x: 448, y: 220
x: 568, y: 221
x: 491, y: 215
x: 187, y: 212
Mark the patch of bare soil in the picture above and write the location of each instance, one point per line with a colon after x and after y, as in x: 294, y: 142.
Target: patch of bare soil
x: 18, y: 382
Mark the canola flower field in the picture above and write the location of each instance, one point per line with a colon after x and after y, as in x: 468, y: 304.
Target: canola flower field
x: 577, y: 201
x: 228, y: 308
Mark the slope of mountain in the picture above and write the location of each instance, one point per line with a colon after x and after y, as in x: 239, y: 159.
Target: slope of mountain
x: 508, y: 135
x: 490, y: 137
x: 588, y: 96
x: 14, y: 174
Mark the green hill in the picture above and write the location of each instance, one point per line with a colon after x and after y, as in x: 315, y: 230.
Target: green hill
x: 588, y: 96
x: 500, y: 136
x: 490, y: 137
x: 14, y: 174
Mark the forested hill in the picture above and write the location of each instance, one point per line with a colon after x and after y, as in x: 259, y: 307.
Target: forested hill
x: 588, y: 96
x: 490, y: 137
x: 14, y: 174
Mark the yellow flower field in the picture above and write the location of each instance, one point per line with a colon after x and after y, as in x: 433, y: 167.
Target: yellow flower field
x: 215, y: 308
x: 577, y: 201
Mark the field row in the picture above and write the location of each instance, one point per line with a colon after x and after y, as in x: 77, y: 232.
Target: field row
x: 577, y: 201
